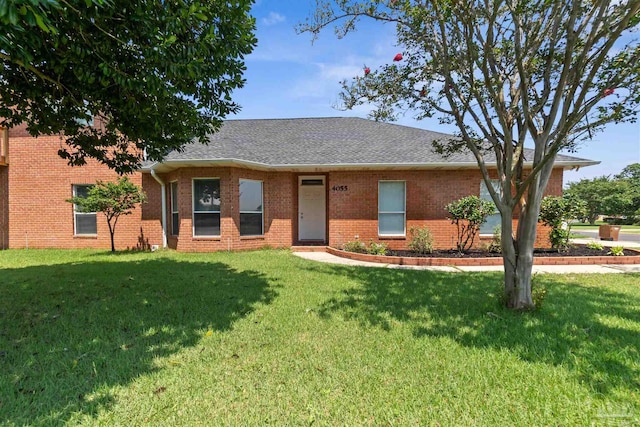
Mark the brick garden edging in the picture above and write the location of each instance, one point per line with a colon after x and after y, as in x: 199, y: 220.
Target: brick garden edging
x: 465, y: 262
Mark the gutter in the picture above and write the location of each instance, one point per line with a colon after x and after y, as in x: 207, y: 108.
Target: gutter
x: 173, y: 164
x: 164, y: 205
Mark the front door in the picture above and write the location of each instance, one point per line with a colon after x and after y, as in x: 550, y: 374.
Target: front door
x: 312, y: 213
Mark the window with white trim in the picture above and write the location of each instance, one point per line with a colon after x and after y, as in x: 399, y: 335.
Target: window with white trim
x: 391, y: 208
x: 84, y: 223
x: 206, y: 207
x: 251, y: 212
x: 175, y: 217
x: 493, y: 221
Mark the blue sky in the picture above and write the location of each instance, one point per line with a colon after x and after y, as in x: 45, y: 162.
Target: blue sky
x: 289, y: 76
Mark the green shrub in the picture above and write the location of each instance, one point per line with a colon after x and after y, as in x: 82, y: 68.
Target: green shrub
x: 556, y: 212
x: 377, y: 248
x: 496, y: 241
x: 355, y: 246
x: 421, y: 240
x: 595, y: 245
x: 616, y: 251
x: 468, y: 214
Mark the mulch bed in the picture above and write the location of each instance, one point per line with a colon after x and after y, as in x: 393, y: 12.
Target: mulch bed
x: 575, y: 251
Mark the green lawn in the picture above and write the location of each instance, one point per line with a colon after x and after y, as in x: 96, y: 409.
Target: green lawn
x: 264, y: 337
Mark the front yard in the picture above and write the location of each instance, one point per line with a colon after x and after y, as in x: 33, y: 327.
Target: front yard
x: 264, y: 337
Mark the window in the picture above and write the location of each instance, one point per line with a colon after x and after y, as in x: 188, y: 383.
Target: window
x: 206, y: 207
x: 251, y: 221
x: 84, y: 222
x: 391, y: 208
x: 493, y: 221
x: 175, y: 218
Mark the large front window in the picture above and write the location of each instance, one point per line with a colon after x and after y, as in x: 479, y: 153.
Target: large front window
x: 206, y: 207
x: 84, y: 223
x: 175, y: 217
x: 391, y: 208
x: 251, y: 221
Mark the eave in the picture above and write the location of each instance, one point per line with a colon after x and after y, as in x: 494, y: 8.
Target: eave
x: 171, y: 165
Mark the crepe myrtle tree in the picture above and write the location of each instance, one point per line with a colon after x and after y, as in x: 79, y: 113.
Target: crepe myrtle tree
x: 546, y: 72
x: 111, y: 75
x: 113, y: 199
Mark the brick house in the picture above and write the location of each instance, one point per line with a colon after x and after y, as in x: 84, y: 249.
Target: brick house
x: 279, y: 183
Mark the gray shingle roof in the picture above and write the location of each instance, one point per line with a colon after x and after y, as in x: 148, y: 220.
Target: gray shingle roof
x: 322, y: 142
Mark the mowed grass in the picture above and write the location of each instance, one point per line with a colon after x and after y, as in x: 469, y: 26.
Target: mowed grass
x: 264, y: 337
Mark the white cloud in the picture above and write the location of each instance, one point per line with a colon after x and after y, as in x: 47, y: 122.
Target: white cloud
x: 324, y: 82
x: 273, y: 18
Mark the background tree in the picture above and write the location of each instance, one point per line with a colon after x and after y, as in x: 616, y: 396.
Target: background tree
x: 616, y: 197
x: 631, y: 176
x: 548, y: 73
x: 598, y: 194
x: 154, y: 73
x: 113, y: 199
x: 631, y: 172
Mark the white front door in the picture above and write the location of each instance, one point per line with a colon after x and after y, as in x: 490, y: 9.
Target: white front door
x: 312, y: 222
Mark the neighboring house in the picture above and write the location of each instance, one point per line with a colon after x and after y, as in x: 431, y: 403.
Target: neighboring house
x: 279, y: 183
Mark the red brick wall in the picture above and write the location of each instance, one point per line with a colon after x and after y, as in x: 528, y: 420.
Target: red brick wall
x: 355, y: 212
x: 278, y: 193
x: 4, y: 207
x: 151, y: 219
x: 39, y: 183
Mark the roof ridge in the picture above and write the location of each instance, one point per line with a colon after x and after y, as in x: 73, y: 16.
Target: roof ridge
x: 294, y: 118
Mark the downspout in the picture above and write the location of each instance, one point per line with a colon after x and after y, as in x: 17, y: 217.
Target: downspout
x: 164, y: 206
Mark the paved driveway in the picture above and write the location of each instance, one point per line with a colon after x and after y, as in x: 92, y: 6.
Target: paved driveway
x: 627, y: 237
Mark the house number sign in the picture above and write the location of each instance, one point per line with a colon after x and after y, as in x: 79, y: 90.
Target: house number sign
x: 340, y: 188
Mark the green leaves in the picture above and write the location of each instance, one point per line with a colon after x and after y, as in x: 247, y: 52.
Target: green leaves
x: 557, y: 213
x: 113, y: 199
x: 468, y: 214
x: 618, y: 196
x: 156, y: 74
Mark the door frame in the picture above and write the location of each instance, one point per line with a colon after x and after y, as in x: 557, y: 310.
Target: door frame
x: 325, y: 180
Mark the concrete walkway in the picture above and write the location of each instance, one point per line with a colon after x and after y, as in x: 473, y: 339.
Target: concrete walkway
x: 546, y: 269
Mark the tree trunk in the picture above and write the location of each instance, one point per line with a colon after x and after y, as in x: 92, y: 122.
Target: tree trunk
x: 517, y: 257
x: 111, y: 233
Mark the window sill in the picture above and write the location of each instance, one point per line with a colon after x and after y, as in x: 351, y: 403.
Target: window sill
x: 85, y: 236
x: 207, y: 238
x: 392, y: 237
x: 257, y: 237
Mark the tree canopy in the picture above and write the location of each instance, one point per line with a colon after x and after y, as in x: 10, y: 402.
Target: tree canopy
x: 614, y: 196
x: 155, y: 74
x: 541, y: 72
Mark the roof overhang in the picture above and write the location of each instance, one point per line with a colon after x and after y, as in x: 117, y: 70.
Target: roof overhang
x: 171, y: 165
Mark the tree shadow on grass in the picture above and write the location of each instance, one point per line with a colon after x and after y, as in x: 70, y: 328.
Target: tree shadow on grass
x: 590, y: 329
x: 69, y: 332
